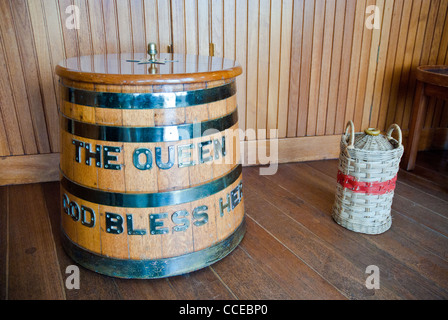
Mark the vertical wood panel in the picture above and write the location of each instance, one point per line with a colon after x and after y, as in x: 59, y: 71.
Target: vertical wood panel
x: 307, y: 46
x: 55, y: 40
x: 341, y: 106
x: 151, y: 22
x: 27, y: 51
x: 296, y: 57
x: 229, y: 28
x: 13, y: 136
x: 443, y: 48
x: 46, y: 73
x: 263, y: 67
x: 415, y: 62
x: 382, y: 61
x: 85, y: 42
x: 432, y: 44
x: 53, y: 24
x: 241, y: 16
x: 316, y: 66
x: 373, y: 71
x: 15, y: 74
x: 390, y: 66
x: 124, y: 26
x: 97, y: 27
x: 327, y: 48
x: 110, y: 26
x: 285, y: 68
x: 441, y: 59
x: 217, y: 28
x: 164, y: 24
x: 365, y: 58
x: 203, y: 27
x: 336, y: 61
x: 252, y: 65
x: 191, y: 27
x: 179, y: 27
x: 398, y: 64
x: 138, y: 26
x: 274, y: 65
x: 70, y: 35
x: 355, y: 60
x: 409, y: 49
x: 4, y: 148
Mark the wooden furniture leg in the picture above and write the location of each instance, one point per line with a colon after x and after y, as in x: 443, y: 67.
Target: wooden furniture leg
x: 415, y: 128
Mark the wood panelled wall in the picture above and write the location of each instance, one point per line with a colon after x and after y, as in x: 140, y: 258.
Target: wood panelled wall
x: 309, y: 65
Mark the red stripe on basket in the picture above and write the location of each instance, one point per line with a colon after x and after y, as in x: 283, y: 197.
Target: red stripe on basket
x: 377, y: 188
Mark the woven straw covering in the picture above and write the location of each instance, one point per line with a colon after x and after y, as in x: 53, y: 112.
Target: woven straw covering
x: 368, y: 167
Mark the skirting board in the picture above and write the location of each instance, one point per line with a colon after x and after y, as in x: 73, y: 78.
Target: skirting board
x: 262, y: 152
x: 29, y: 169
x: 45, y: 167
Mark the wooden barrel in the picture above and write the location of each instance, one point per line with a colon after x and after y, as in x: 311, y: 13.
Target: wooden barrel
x: 150, y: 163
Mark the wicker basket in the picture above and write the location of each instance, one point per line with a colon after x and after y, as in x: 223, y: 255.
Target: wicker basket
x: 368, y: 167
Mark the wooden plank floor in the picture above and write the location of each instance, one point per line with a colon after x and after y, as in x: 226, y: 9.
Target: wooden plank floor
x: 292, y: 250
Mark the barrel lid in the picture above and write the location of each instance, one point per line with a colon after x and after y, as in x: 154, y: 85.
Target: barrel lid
x: 116, y: 69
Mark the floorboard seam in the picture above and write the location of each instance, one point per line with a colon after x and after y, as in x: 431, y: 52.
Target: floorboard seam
x: 298, y: 257
x: 223, y: 283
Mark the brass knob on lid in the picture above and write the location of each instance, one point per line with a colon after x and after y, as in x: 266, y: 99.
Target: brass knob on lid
x: 152, y: 51
x: 153, y: 68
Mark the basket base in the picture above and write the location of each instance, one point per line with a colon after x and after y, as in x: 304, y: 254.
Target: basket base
x: 359, y: 228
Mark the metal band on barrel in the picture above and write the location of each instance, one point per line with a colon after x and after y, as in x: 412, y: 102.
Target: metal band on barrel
x: 158, y: 268
x: 149, y: 134
x: 152, y: 200
x: 158, y: 100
